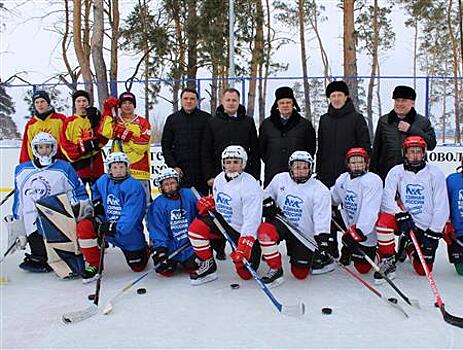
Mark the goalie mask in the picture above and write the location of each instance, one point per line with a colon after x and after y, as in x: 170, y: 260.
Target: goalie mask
x: 414, y: 153
x: 300, y: 166
x: 357, y: 162
x: 168, y: 188
x: 44, y: 148
x: 234, y: 160
x: 117, y: 173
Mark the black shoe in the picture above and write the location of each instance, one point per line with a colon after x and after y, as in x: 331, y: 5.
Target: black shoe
x: 322, y: 264
x: 35, y: 264
x: 90, y: 274
x: 220, y: 255
x: 273, y: 278
x: 206, y: 272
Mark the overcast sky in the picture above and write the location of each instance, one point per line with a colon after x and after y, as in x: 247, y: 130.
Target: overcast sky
x: 28, y: 45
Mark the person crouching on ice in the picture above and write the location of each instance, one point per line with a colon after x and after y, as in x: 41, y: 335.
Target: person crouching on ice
x: 414, y: 198
x: 119, y: 205
x: 453, y: 232
x: 359, y: 192
x: 36, y: 179
x: 169, y: 216
x: 237, y: 204
x: 306, y: 203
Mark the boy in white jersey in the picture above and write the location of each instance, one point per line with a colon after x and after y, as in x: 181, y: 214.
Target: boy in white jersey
x: 304, y: 201
x: 237, y: 202
x: 415, y: 195
x: 359, y: 192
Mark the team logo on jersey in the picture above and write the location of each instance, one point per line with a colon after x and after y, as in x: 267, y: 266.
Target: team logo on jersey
x: 414, y: 198
x: 179, y: 224
x: 350, y: 204
x: 293, y: 208
x: 177, y: 214
x: 224, y: 206
x: 460, y: 200
x: 113, y: 207
x: 37, y: 188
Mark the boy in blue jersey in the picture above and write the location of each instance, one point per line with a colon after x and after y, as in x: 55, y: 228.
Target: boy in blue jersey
x: 168, y: 219
x: 119, y: 204
x: 453, y: 231
x: 36, y: 179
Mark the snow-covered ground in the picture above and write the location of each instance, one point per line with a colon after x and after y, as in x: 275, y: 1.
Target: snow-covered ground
x: 174, y: 314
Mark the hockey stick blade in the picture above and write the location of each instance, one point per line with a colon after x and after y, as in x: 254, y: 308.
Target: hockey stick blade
x: 293, y: 310
x: 451, y: 319
x: 80, y: 315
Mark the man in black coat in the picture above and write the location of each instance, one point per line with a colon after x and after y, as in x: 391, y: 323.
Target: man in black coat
x: 181, y: 141
x: 229, y: 126
x: 284, y: 132
x: 394, y: 127
x: 339, y: 130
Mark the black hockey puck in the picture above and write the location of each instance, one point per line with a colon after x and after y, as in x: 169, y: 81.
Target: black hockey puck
x: 327, y: 311
x: 393, y: 300
x: 234, y: 286
x: 91, y: 297
x: 141, y: 290
x: 436, y: 304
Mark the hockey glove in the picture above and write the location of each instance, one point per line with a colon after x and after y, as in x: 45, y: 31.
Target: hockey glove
x: 205, y: 204
x: 429, y: 245
x: 270, y: 208
x: 405, y: 223
x: 243, y: 249
x: 161, y: 261
x: 109, y: 104
x: 94, y: 116
x: 88, y: 145
x: 353, y: 236
x: 107, y: 229
x: 325, y: 244
x: 121, y: 132
x: 21, y: 242
x: 449, y: 233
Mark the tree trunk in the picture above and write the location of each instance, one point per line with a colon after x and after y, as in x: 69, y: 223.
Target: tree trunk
x: 350, y: 56
x: 214, y: 86
x: 97, y: 51
x: 455, y: 65
x: 444, y: 108
x: 374, y: 62
x: 415, y: 49
x: 191, y: 33
x: 308, y: 112
x: 256, y: 57
x: 81, y: 55
x: 64, y: 47
x: 114, y: 46
x: 378, y: 92
x: 324, y: 56
x: 180, y: 60
x: 268, y: 52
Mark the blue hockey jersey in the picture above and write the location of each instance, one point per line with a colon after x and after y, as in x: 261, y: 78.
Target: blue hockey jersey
x: 455, y: 191
x: 124, y: 203
x: 168, y: 221
x: 32, y: 183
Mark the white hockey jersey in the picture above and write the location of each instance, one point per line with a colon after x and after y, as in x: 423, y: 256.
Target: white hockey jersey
x: 361, y: 201
x: 32, y: 183
x: 424, y: 196
x: 239, y: 201
x: 307, y: 205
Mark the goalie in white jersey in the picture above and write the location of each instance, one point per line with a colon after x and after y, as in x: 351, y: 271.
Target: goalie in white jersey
x: 359, y: 192
x: 34, y: 180
x: 306, y: 203
x: 237, y: 204
x: 423, y: 206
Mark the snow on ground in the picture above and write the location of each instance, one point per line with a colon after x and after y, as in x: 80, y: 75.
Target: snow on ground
x: 174, y: 314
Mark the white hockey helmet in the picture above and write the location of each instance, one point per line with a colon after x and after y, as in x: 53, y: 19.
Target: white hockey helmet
x: 164, y: 174
x: 301, y: 156
x: 117, y: 157
x: 234, y: 152
x: 44, y: 138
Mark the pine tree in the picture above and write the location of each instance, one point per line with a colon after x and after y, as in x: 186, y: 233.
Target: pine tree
x: 8, y: 128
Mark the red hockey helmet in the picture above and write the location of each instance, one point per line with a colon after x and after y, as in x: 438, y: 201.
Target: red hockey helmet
x: 414, y: 162
x: 414, y: 141
x: 355, y: 167
x: 357, y: 151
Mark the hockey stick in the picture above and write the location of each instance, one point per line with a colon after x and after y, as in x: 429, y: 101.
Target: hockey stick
x: 449, y: 318
x: 313, y: 244
x: 11, y: 247
x: 80, y: 315
x: 290, y: 310
x: 109, y: 305
x: 6, y: 197
x: 411, y: 302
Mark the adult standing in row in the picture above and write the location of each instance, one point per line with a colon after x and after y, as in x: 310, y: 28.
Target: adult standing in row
x: 181, y: 141
x: 284, y: 132
x: 339, y: 130
x: 394, y: 127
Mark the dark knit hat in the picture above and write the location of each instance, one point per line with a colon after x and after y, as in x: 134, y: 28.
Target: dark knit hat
x: 337, y: 85
x: 405, y: 92
x: 286, y: 92
x: 41, y: 94
x: 80, y: 93
x: 127, y: 96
